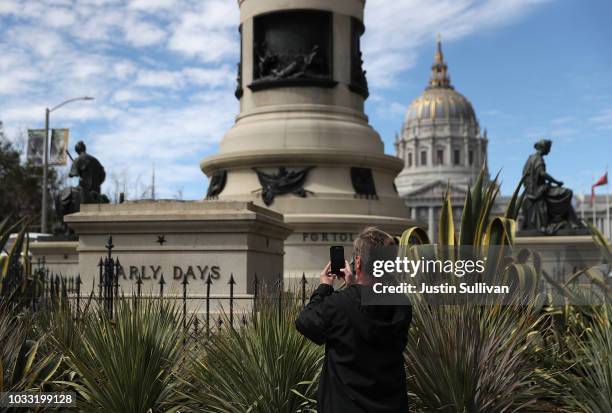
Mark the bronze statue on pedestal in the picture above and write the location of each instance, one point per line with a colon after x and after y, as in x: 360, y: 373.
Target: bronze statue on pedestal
x: 548, y: 205
x: 91, y: 176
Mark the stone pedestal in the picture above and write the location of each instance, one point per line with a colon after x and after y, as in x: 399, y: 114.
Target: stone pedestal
x: 296, y: 117
x: 562, y: 255
x: 182, y: 241
x: 60, y: 255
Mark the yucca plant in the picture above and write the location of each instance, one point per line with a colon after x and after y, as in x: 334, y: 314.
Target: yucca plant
x: 127, y: 363
x: 265, y: 366
x: 23, y: 367
x: 472, y: 359
x: 588, y: 384
x: 602, y: 242
x: 598, y: 275
x: 581, y: 336
x: 475, y: 358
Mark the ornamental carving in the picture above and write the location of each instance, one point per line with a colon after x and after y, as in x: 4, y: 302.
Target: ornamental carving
x: 292, y: 48
x: 281, y: 183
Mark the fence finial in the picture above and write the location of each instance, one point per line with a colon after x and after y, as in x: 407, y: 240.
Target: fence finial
x: 304, y: 282
x: 109, y: 244
x: 161, y: 283
x: 231, y: 283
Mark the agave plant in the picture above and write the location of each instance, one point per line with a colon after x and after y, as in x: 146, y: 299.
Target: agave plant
x: 17, y: 286
x: 479, y: 235
x: 469, y: 358
x: 266, y: 366
x: 127, y: 363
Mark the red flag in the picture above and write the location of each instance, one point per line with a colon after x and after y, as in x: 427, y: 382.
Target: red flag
x: 601, y: 181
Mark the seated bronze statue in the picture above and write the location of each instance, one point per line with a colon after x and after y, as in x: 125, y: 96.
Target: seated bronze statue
x: 548, y: 205
x: 91, y: 176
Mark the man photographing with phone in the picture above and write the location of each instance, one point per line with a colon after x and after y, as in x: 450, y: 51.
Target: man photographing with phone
x: 363, y: 370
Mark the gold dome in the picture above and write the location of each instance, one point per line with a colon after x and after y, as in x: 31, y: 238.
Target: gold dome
x: 436, y: 104
x: 440, y: 101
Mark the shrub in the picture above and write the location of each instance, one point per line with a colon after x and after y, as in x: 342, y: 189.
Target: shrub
x: 124, y: 364
x: 266, y: 366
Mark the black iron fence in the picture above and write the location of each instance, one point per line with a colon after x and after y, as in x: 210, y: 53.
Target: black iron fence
x: 200, y: 312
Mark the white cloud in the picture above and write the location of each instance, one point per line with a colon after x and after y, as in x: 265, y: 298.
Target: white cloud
x: 384, y: 69
x: 151, y: 5
x: 130, y: 95
x: 208, y: 33
x: 59, y: 17
x: 390, y: 110
x: 140, y: 33
x: 123, y: 69
x: 217, y: 77
x: 42, y: 41
x: 8, y: 7
x: 17, y: 81
x: 160, y: 78
x: 395, y: 30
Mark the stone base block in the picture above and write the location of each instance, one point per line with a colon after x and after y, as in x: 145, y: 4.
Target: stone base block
x: 182, y: 242
x: 562, y: 255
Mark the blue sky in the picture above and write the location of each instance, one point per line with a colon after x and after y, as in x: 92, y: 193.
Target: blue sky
x: 163, y: 71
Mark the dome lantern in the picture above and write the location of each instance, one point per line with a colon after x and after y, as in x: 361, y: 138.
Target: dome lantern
x: 439, y: 69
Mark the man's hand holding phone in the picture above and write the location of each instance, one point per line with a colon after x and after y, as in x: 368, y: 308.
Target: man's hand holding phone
x: 347, y: 274
x: 326, y: 275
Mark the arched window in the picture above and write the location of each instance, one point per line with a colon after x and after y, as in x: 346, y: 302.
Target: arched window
x: 423, y: 158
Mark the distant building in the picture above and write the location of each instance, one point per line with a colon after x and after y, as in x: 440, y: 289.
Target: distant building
x: 602, y: 210
x: 441, y: 145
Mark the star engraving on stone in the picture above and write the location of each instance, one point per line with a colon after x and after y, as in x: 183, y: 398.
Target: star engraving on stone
x: 161, y: 239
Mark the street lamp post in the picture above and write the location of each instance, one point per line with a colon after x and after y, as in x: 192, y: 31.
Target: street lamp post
x: 45, y: 189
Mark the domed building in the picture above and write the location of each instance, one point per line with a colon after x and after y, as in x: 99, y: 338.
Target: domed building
x: 441, y: 145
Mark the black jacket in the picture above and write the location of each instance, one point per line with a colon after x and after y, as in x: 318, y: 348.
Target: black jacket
x: 363, y: 370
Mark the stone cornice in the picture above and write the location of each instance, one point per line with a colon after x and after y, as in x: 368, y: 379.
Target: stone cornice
x: 282, y: 157
x: 178, y: 217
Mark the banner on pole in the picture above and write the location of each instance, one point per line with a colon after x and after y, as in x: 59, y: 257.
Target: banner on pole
x: 59, y: 145
x: 36, y: 146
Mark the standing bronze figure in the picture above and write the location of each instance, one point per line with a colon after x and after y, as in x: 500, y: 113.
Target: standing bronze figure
x: 548, y: 205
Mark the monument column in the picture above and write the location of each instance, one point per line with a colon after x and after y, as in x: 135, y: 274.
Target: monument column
x: 301, y: 144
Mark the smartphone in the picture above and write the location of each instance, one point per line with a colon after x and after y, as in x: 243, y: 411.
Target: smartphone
x: 336, y: 256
